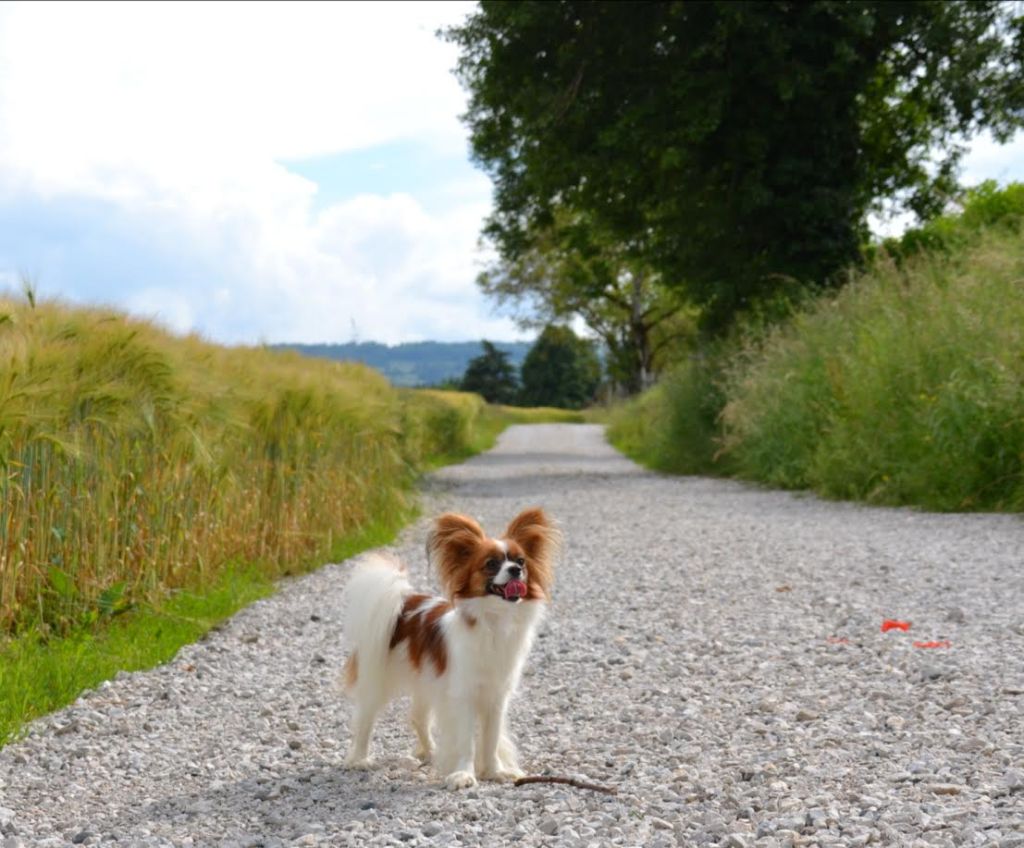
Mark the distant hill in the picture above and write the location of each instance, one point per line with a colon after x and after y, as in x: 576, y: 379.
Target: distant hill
x: 411, y: 363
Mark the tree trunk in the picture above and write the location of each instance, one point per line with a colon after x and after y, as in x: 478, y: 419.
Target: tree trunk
x: 641, y: 341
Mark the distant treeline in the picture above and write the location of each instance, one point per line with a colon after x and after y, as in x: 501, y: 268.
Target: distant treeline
x: 411, y: 363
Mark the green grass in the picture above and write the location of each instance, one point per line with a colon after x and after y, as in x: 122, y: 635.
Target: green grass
x: 497, y: 417
x: 492, y: 420
x: 904, y: 388
x: 539, y: 415
x: 673, y: 427
x: 42, y: 671
x: 38, y: 675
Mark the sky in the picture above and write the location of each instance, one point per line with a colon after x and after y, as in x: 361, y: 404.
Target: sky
x: 255, y: 172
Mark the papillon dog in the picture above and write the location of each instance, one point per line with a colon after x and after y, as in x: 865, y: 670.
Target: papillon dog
x: 460, y: 656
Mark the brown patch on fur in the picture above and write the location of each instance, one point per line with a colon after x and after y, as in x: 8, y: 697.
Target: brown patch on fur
x: 470, y: 621
x: 457, y: 548
x: 539, y: 540
x: 351, y: 670
x: 405, y: 625
x: 422, y: 629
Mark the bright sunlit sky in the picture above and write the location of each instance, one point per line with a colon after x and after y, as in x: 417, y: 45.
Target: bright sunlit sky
x: 254, y: 172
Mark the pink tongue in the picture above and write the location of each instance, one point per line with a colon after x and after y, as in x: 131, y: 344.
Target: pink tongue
x: 515, y: 589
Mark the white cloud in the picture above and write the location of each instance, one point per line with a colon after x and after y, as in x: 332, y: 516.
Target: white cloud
x: 989, y: 160
x: 179, y: 115
x: 170, y: 308
x: 393, y: 270
x: 188, y: 90
x: 985, y: 159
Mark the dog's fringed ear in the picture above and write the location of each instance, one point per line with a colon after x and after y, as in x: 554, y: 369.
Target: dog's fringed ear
x: 537, y: 535
x: 451, y: 543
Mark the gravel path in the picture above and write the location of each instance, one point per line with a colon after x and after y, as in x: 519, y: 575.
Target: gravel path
x: 713, y: 650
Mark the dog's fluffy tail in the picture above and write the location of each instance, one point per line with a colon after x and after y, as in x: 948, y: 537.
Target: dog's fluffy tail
x: 372, y: 602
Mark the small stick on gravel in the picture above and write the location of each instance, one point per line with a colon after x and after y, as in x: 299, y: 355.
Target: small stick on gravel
x: 568, y: 781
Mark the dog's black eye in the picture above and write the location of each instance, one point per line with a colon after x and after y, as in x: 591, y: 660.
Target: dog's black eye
x: 493, y: 564
x: 520, y: 561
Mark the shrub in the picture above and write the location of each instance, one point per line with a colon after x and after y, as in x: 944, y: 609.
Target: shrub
x: 905, y: 388
x: 674, y: 426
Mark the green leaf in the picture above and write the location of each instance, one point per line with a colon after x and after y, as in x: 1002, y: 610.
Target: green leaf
x: 111, y: 600
x: 734, y: 148
x: 62, y: 582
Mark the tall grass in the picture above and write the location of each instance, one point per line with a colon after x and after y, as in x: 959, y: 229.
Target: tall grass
x: 906, y: 387
x: 440, y: 426
x: 134, y: 462
x: 38, y: 675
x: 674, y: 426
x: 537, y: 414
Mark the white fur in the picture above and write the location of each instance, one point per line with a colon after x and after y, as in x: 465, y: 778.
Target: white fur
x: 469, y: 700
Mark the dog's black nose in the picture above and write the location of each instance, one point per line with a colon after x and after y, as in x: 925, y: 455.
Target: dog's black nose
x: 515, y: 571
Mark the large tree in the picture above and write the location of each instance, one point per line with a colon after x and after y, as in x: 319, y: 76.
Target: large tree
x: 560, y: 370
x: 736, y: 147
x: 570, y: 271
x: 491, y: 375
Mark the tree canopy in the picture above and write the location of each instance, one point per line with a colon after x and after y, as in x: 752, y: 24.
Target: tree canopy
x: 491, y: 375
x: 573, y: 271
x: 734, y: 148
x: 561, y: 370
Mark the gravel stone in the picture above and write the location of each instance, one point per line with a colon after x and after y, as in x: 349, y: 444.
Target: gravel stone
x: 549, y: 826
x: 670, y: 666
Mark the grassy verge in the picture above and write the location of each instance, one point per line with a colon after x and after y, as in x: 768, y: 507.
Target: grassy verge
x: 489, y: 421
x: 904, y: 388
x: 497, y: 418
x: 40, y: 674
x: 674, y: 426
x: 538, y: 415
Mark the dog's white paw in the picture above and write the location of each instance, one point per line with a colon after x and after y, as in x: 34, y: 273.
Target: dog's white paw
x: 460, y: 780
x: 354, y: 761
x: 424, y: 755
